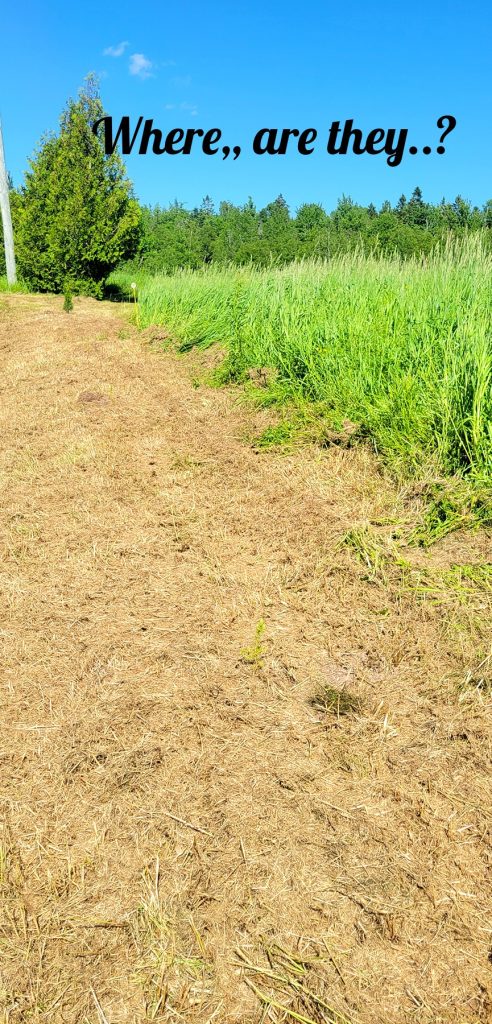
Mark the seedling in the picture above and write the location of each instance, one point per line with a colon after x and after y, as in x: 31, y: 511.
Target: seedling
x: 254, y: 655
x: 67, y: 300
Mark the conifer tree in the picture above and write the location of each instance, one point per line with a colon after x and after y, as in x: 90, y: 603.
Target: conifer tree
x: 75, y: 216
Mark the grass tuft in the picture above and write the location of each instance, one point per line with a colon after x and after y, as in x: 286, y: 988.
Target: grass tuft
x: 19, y: 286
x: 336, y: 702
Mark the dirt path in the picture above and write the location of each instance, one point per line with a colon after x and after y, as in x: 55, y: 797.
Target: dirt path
x: 170, y: 794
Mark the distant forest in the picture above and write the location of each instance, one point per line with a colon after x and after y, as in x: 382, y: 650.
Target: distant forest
x: 176, y: 237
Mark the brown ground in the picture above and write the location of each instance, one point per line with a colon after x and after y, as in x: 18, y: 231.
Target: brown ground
x: 186, y: 835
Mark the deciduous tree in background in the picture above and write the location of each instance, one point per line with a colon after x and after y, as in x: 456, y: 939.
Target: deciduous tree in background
x: 75, y: 217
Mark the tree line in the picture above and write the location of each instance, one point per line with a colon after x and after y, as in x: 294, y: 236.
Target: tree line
x: 76, y: 218
x: 176, y: 237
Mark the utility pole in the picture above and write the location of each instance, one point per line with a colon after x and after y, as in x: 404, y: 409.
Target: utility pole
x: 8, y: 235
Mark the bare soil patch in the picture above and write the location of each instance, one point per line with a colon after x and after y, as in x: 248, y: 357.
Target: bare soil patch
x: 245, y: 754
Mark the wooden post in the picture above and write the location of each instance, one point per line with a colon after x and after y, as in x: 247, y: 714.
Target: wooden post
x: 8, y: 235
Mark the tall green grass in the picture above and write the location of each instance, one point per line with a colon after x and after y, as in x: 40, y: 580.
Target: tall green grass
x: 6, y: 287
x: 402, y: 348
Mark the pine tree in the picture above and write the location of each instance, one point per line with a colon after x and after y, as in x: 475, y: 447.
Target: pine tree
x: 416, y: 198
x: 75, y: 216
x: 207, y: 206
x: 401, y: 204
x: 416, y: 211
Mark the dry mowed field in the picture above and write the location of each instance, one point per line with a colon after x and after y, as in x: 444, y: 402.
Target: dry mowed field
x: 244, y: 767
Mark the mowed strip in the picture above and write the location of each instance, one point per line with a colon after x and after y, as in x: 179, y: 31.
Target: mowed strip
x: 235, y: 771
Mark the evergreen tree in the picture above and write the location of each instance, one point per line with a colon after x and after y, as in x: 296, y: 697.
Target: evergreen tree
x: 416, y: 211
x: 462, y: 210
x: 207, y: 206
x: 75, y: 217
x: 401, y: 204
x: 310, y: 218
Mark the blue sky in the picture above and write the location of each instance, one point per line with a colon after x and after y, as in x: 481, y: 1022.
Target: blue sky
x: 246, y: 64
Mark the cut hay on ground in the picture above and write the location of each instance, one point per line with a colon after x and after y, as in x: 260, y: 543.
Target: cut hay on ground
x: 245, y: 752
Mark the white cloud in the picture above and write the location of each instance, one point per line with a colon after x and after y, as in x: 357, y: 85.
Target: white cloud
x: 140, y: 66
x: 115, y: 51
